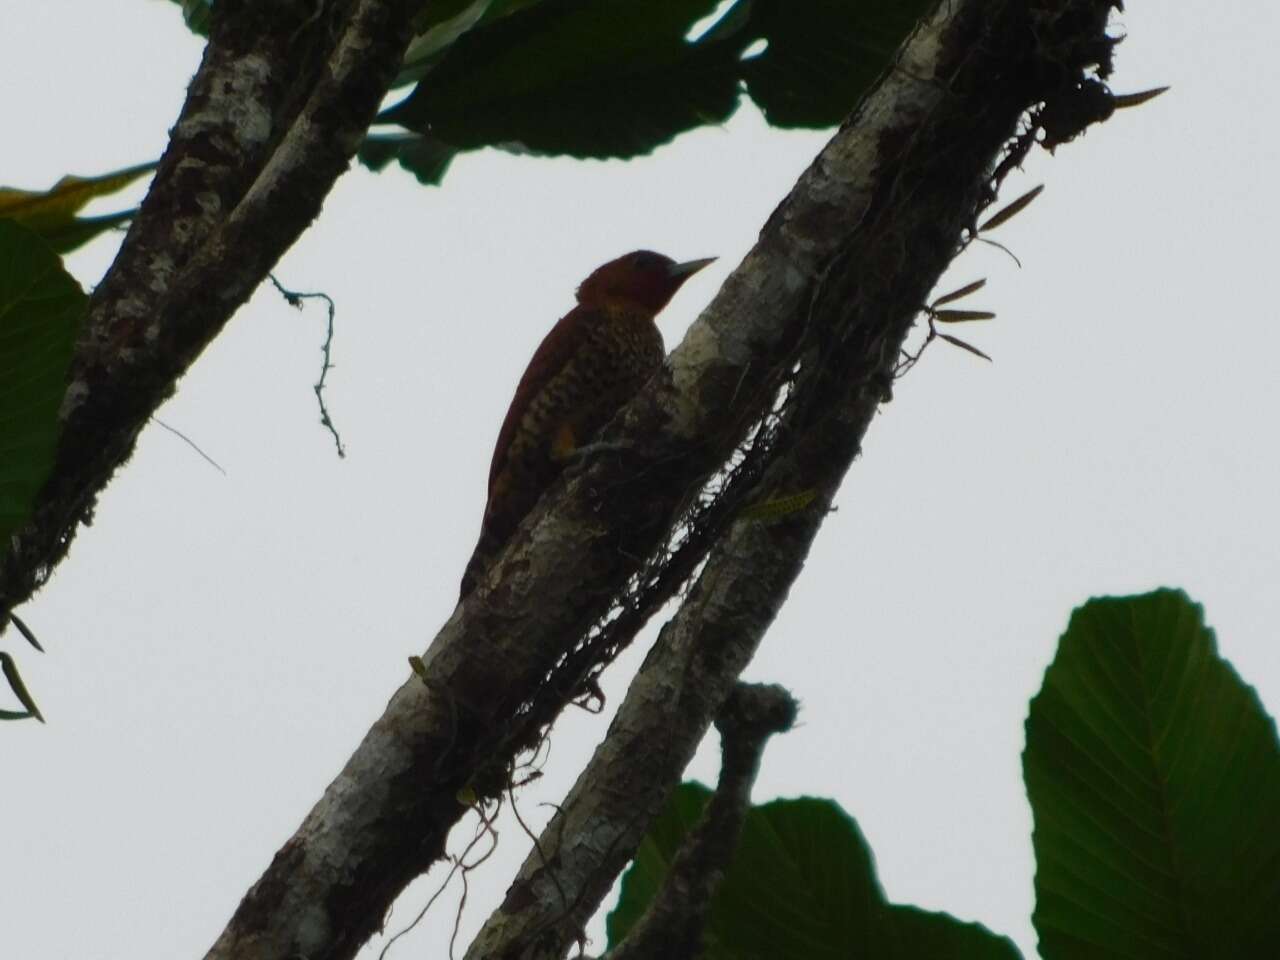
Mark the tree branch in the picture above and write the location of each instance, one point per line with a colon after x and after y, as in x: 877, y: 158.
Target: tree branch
x: 281, y: 100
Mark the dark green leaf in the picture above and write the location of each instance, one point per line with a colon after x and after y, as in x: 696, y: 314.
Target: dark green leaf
x: 10, y: 669
x: 438, y: 26
x: 27, y: 633
x: 1154, y: 778
x: 823, y: 55
x: 961, y: 316
x: 940, y: 936
x: 427, y: 159
x: 959, y: 293
x: 1010, y: 210
x: 802, y: 885
x: 653, y: 857
x: 65, y: 237
x: 40, y: 311
x: 576, y: 76
x: 617, y: 79
x: 957, y: 342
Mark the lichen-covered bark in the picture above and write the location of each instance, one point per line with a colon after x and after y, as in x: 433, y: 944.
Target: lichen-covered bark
x: 838, y: 274
x: 282, y: 98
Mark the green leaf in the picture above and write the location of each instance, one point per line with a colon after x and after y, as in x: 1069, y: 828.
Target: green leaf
x: 1154, y: 779
x: 823, y: 55
x: 65, y: 237
x: 653, y: 857
x: 10, y: 669
x: 617, y: 79
x: 437, y: 27
x: 52, y: 213
x: 544, y: 79
x: 27, y: 633
x: 40, y: 311
x: 802, y: 885
x: 923, y: 934
x: 427, y: 159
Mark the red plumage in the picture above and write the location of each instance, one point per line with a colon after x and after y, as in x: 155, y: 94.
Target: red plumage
x: 594, y: 360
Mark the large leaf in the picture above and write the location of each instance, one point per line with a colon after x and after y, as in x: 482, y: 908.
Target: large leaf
x: 545, y: 77
x: 822, y: 55
x: 591, y: 78
x: 40, y: 311
x: 440, y: 23
x: 52, y: 213
x: 1154, y: 778
x: 802, y: 885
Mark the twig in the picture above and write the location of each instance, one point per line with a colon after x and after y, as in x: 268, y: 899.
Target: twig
x: 294, y: 299
x: 483, y: 829
x: 190, y: 443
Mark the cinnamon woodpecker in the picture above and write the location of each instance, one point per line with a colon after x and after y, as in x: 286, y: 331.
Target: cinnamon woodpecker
x: 595, y: 359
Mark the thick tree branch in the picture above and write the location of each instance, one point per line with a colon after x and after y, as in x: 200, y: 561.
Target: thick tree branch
x: 673, y: 924
x: 839, y: 272
x: 282, y: 99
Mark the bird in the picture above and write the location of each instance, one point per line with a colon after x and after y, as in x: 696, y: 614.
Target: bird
x: 594, y: 360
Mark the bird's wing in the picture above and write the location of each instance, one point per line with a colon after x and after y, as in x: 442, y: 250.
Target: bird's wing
x: 552, y: 356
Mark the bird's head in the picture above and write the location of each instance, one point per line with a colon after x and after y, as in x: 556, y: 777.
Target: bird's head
x: 642, y: 278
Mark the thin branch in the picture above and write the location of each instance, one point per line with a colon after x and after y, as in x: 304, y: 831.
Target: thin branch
x: 294, y: 299
x: 484, y: 829
x: 190, y: 443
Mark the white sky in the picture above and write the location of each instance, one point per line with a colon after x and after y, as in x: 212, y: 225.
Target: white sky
x: 218, y: 644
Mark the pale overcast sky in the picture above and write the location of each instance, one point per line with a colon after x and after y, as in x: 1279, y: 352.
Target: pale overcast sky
x: 217, y: 645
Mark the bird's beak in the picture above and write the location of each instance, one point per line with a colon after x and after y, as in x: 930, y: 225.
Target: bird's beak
x: 689, y: 267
